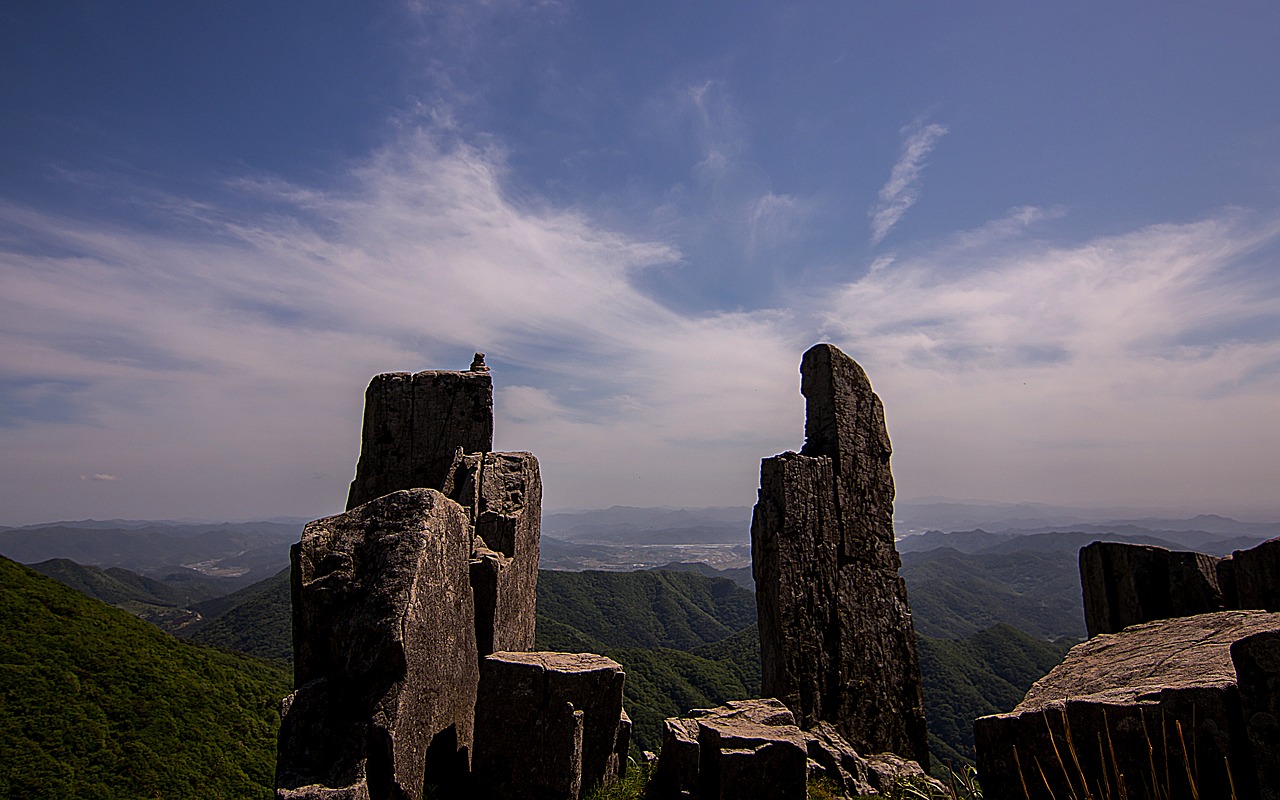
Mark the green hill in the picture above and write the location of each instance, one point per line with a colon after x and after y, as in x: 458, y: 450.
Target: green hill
x: 97, y: 704
x: 689, y: 641
x: 255, y: 620
x: 987, y: 673
x: 680, y: 610
x: 954, y: 594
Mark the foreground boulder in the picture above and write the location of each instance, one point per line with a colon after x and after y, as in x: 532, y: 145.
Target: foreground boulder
x: 549, y: 726
x: 385, y: 659
x: 1176, y: 708
x: 836, y: 638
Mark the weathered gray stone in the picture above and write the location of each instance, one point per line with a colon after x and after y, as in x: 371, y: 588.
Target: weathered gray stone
x: 1257, y: 576
x: 1125, y: 584
x: 414, y: 425
x: 1122, y: 706
x: 503, y: 493
x: 836, y: 637
x: 548, y: 725
x: 1257, y: 663
x: 677, y: 772
x: 384, y: 651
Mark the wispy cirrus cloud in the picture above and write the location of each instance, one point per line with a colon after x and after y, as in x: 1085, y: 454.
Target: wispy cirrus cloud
x: 903, y: 188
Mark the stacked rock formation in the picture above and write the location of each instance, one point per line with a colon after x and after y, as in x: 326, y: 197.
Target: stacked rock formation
x: 1127, y: 584
x: 415, y: 605
x: 1176, y: 708
x: 836, y: 638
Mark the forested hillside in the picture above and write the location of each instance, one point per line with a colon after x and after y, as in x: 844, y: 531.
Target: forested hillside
x: 688, y: 640
x: 95, y: 703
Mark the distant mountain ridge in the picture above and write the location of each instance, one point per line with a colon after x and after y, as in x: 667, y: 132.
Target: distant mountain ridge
x: 244, y: 552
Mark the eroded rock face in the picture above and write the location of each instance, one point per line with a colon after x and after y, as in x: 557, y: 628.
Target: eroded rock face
x: 414, y: 424
x: 549, y: 725
x: 384, y: 651
x: 836, y: 637
x: 1129, y: 702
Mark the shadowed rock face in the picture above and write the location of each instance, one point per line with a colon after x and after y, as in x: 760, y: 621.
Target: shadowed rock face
x: 1127, y: 584
x: 836, y: 638
x: 414, y: 424
x: 1121, y: 706
x: 384, y: 651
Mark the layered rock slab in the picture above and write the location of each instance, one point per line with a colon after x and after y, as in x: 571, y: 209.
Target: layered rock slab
x: 414, y: 424
x: 549, y: 726
x: 384, y: 652
x: 836, y: 636
x: 1144, y: 706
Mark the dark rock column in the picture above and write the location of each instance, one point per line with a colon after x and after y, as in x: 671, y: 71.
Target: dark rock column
x: 836, y: 638
x: 415, y: 423
x: 384, y: 652
x: 1257, y: 663
x: 1257, y: 576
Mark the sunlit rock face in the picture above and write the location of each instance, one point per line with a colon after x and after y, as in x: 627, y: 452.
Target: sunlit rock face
x: 836, y: 637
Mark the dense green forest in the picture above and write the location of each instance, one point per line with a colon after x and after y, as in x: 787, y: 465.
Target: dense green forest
x: 687, y: 640
x: 95, y: 703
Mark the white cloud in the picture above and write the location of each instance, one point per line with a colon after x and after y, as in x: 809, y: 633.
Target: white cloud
x: 222, y: 369
x: 902, y: 190
x: 247, y: 345
x: 1101, y: 371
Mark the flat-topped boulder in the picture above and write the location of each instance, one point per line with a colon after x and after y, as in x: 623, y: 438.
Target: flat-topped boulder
x: 549, y: 725
x: 1134, y: 706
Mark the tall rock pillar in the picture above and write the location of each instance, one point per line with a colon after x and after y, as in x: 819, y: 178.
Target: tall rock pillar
x: 836, y: 638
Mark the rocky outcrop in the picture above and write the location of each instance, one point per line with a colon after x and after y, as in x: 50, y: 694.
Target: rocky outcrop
x: 753, y: 748
x: 414, y: 424
x: 549, y: 725
x: 1156, y: 707
x: 434, y: 567
x: 385, y: 659
x: 837, y: 642
x: 1126, y: 584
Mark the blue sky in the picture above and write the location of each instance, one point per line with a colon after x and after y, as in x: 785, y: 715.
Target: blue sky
x: 1050, y: 234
